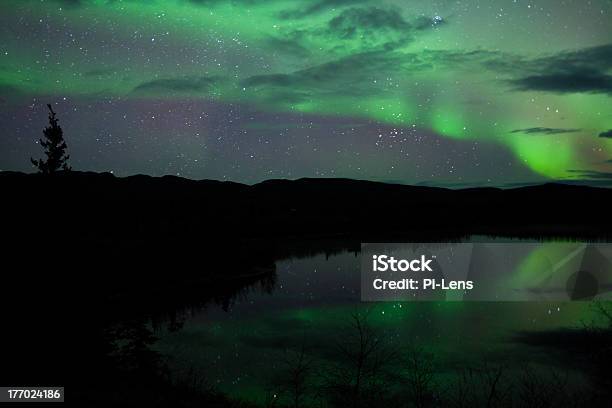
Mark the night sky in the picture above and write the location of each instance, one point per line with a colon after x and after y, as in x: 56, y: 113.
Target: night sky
x: 453, y: 93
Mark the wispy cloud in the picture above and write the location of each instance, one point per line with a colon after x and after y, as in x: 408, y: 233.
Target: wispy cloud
x: 544, y: 131
x: 179, y: 85
x: 607, y: 133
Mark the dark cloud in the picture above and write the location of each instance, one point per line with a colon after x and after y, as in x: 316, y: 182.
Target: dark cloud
x: 592, y: 178
x: 70, y: 3
x: 581, y: 71
x: 607, y: 133
x: 544, y: 131
x: 179, y: 85
x: 306, y: 7
x: 210, y: 3
x: 462, y: 60
x: 288, y: 46
x: 370, y: 27
x: 205, y: 3
x: 593, y: 174
x: 569, y: 81
x: 599, y: 57
x: 355, y: 30
x: 425, y: 23
x: 275, y: 79
x: 319, y: 6
x: 355, y: 20
x: 348, y: 76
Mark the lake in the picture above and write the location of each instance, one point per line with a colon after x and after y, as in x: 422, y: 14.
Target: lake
x: 241, y: 349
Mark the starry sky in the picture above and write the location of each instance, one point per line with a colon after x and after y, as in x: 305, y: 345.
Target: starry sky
x: 449, y: 93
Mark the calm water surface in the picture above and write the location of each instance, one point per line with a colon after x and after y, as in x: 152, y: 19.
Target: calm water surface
x: 238, y: 350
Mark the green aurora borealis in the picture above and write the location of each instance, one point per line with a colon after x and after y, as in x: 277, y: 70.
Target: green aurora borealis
x: 500, y: 91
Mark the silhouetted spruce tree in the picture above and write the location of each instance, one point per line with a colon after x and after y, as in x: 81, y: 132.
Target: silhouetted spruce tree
x: 55, y: 148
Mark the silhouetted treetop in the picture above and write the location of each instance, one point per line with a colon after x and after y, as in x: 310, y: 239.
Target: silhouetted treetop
x: 55, y: 147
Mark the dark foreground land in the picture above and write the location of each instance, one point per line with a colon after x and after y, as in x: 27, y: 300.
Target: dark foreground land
x: 127, y: 228
x: 89, y: 258
x: 141, y: 209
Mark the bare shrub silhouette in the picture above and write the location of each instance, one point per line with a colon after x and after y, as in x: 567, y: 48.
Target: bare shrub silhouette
x: 419, y: 380
x: 485, y: 386
x: 542, y: 391
x: 295, y: 378
x: 362, y: 373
